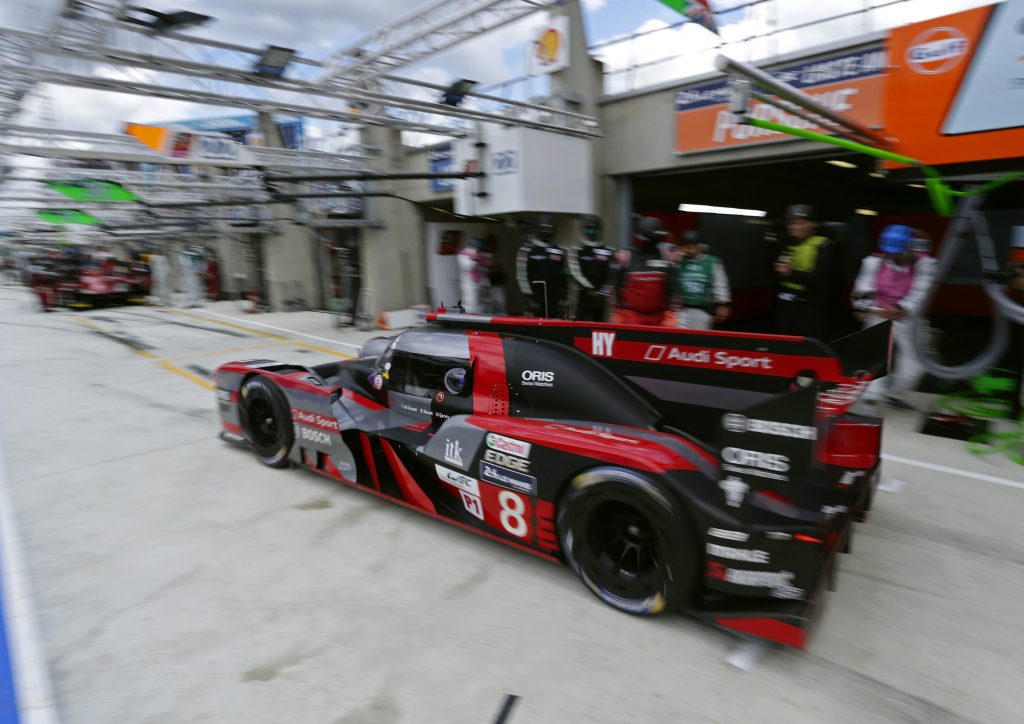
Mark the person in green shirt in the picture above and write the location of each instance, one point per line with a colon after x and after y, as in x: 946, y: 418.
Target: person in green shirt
x: 700, y: 286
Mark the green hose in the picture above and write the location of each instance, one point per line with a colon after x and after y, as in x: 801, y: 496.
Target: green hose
x: 940, y: 193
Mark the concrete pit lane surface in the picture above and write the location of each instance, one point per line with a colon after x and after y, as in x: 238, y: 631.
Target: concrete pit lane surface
x: 178, y: 580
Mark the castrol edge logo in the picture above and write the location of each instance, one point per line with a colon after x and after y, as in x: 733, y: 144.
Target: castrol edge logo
x: 937, y: 50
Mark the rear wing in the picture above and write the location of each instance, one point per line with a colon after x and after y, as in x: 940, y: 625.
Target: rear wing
x: 687, y: 374
x: 730, y: 360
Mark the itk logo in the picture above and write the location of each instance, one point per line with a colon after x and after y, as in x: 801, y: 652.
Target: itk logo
x: 453, y: 451
x: 735, y: 491
x: 602, y: 344
x: 937, y: 51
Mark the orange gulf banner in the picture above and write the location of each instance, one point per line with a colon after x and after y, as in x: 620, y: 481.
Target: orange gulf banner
x: 956, y: 89
x: 153, y: 136
x: 849, y: 81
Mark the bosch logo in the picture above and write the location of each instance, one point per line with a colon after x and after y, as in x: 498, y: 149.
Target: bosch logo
x: 755, y: 459
x: 504, y: 163
x: 734, y: 423
x: 538, y: 376
x: 937, y: 50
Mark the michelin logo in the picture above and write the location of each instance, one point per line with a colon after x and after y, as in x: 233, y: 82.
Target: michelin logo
x: 739, y: 423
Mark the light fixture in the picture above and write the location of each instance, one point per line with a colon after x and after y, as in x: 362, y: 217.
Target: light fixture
x: 866, y: 212
x: 159, y: 23
x: 876, y: 174
x: 273, y: 61
x: 724, y: 210
x: 842, y: 164
x: 454, y: 94
x: 916, y: 186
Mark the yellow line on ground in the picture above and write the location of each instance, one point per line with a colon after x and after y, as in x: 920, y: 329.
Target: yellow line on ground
x: 230, y: 350
x: 187, y: 375
x: 149, y: 355
x: 268, y: 335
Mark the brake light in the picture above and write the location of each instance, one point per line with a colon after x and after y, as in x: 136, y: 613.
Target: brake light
x: 852, y: 443
x: 807, y: 538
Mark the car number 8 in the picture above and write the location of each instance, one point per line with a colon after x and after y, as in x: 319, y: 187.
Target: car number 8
x: 511, y: 517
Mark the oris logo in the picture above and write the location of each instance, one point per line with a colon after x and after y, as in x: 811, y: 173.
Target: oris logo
x: 755, y: 459
x: 538, y: 378
x: 937, y: 50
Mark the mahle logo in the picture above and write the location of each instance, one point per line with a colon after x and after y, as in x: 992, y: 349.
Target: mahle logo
x: 734, y: 423
x: 937, y: 50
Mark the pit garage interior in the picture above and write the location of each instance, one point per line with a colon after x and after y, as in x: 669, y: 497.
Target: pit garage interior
x: 163, y: 576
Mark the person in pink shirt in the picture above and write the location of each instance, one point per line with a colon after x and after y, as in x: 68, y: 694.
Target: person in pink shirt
x: 891, y: 286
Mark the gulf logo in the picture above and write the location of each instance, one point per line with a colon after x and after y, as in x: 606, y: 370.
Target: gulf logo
x: 937, y: 50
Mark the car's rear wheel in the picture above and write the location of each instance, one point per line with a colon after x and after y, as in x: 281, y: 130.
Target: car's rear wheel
x: 266, y: 421
x: 628, y: 541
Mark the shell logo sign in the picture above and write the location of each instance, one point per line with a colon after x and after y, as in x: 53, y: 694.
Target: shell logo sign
x: 550, y: 43
x: 937, y: 50
x: 548, y: 46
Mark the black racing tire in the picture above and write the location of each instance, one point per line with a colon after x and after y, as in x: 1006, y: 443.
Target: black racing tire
x: 266, y: 421
x: 628, y: 540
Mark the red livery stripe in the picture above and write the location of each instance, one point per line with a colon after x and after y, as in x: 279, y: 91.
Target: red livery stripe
x: 411, y: 490
x: 490, y: 388
x: 768, y: 628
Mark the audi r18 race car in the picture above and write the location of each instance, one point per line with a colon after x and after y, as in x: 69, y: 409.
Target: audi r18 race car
x: 711, y: 472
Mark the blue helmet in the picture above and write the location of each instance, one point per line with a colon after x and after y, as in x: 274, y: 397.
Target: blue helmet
x: 895, y: 239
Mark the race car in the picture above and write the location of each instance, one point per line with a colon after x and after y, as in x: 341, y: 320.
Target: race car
x: 96, y: 288
x: 709, y: 472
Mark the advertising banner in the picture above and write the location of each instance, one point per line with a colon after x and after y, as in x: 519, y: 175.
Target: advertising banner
x: 849, y: 81
x: 441, y: 160
x: 551, y: 46
x: 956, y: 86
x: 92, y: 190
x: 187, y: 144
x: 67, y: 216
x: 244, y: 127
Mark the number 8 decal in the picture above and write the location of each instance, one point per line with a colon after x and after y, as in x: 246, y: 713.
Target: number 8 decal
x: 512, y: 510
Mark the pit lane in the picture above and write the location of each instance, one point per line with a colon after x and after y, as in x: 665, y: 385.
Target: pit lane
x: 177, y: 580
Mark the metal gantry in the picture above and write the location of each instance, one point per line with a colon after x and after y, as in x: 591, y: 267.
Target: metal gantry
x: 429, y: 29
x: 90, y: 45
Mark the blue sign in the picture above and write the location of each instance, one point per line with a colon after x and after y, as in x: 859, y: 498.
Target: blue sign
x: 292, y: 128
x: 441, y: 160
x: 844, y: 66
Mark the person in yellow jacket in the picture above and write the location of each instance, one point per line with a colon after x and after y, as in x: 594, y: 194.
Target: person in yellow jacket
x: 808, y: 277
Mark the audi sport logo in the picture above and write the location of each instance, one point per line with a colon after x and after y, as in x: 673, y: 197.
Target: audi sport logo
x: 937, y: 50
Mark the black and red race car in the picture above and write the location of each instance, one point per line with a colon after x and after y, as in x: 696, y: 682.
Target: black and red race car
x: 712, y: 472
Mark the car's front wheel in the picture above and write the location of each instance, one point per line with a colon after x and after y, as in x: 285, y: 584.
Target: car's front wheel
x: 266, y: 421
x: 628, y: 541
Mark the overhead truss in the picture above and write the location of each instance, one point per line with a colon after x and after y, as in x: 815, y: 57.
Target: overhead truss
x: 427, y: 30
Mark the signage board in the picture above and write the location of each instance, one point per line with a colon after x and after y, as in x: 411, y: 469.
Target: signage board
x: 549, y: 47
x: 188, y: 144
x: 848, y: 81
x: 67, y: 216
x: 520, y: 176
x: 244, y: 127
x: 92, y: 190
x: 956, y: 87
x: 441, y: 160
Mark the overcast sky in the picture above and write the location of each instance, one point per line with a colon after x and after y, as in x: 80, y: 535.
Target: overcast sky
x: 316, y: 27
